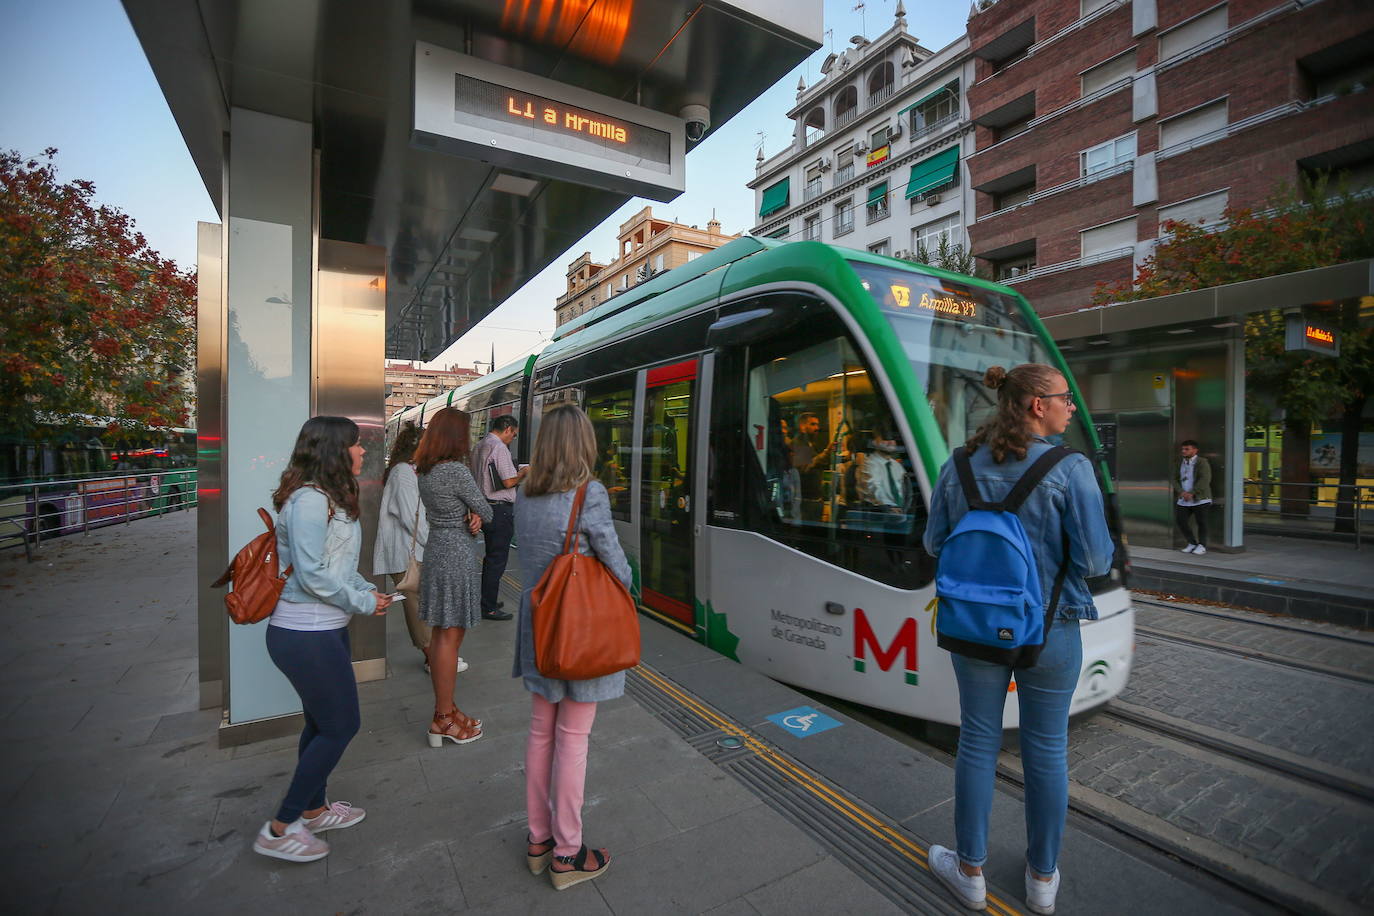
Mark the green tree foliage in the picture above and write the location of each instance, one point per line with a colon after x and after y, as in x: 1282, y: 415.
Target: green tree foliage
x: 946, y: 256
x: 94, y: 321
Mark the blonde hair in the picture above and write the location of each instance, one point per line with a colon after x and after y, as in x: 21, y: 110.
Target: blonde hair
x: 1009, y: 430
x: 564, y: 452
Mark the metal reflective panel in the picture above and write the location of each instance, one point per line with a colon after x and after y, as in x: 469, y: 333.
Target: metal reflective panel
x: 211, y: 523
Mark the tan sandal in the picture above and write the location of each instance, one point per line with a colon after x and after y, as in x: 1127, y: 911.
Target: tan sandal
x: 538, y: 862
x: 562, y: 880
x: 455, y: 729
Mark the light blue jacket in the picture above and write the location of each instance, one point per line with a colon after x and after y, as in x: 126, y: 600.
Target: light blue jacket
x: 1067, y: 499
x: 324, y: 554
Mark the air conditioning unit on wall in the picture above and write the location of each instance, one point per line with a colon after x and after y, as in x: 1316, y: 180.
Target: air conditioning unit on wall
x: 901, y: 253
x: 932, y: 199
x: 823, y: 165
x: 861, y: 149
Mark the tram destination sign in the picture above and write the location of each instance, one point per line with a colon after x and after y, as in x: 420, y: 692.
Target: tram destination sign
x: 479, y: 110
x: 1301, y: 333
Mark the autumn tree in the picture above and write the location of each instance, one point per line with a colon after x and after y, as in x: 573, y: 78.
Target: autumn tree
x: 93, y: 321
x: 1315, y: 225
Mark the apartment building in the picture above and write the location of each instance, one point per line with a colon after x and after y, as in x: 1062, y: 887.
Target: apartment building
x: 876, y: 160
x: 647, y: 247
x: 408, y: 384
x: 1097, y: 120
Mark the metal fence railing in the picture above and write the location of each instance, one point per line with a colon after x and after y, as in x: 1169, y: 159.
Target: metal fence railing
x: 33, y: 511
x: 1316, y: 506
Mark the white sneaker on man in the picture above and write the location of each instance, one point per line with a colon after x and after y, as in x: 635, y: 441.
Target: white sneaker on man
x: 1199, y: 550
x: 971, y: 891
x: 1040, y: 894
x: 1189, y: 549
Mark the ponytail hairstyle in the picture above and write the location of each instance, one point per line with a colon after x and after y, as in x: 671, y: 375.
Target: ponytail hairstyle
x: 1009, y: 432
x: 320, y: 459
x: 403, y: 449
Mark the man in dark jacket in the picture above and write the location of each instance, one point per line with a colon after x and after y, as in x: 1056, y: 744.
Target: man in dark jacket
x: 1193, y: 484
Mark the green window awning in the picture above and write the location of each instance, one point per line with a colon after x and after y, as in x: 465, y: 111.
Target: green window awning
x: 877, y: 192
x: 933, y: 172
x: 774, y: 198
x: 781, y: 233
x: 927, y: 97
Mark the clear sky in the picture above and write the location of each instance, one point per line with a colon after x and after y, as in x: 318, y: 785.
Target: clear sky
x: 73, y: 76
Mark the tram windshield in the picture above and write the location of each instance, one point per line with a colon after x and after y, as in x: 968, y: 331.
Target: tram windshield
x: 952, y: 333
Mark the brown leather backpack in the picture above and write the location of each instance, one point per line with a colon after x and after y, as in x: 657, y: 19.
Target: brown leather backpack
x: 256, y: 577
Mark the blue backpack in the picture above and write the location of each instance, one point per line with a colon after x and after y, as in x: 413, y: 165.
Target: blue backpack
x: 987, y: 583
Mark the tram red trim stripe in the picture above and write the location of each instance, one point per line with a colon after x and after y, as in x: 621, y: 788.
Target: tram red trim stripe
x: 679, y: 610
x: 666, y: 375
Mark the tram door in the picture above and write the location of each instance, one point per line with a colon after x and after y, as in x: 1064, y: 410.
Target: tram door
x: 666, y: 544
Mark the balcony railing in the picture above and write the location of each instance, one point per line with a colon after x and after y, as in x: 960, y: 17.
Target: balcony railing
x: 1081, y: 181
x: 1071, y: 264
x: 846, y: 117
x: 844, y: 173
x: 882, y: 95
x: 844, y: 224
x: 934, y: 126
x: 812, y: 190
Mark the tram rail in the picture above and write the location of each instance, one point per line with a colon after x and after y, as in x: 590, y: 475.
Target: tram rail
x: 1361, y: 638
x: 1257, y: 655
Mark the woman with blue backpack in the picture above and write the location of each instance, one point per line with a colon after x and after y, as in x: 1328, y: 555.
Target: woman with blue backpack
x: 1018, y: 525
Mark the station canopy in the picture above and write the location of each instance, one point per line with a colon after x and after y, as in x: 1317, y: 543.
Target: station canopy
x: 461, y: 234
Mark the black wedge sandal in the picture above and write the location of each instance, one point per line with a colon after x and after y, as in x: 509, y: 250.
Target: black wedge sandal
x: 579, y: 871
x: 540, y: 861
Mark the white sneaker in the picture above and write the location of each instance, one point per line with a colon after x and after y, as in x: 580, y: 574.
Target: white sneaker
x: 944, y: 863
x: 1040, y: 894
x: 1199, y: 550
x: 1189, y: 549
x: 297, y: 844
x: 462, y: 666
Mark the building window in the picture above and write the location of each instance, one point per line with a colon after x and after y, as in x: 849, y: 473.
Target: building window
x: 625, y: 282
x: 811, y: 229
x: 935, y: 110
x: 1204, y: 210
x: 1015, y: 267
x: 1190, y: 34
x: 883, y: 248
x: 779, y: 233
x: 658, y: 263
x: 846, y: 106
x: 1088, y: 7
x: 880, y: 84
x: 878, y: 138
x: 814, y: 125
x: 1108, y: 72
x: 1012, y: 197
x: 844, y: 165
x: 844, y: 217
x: 693, y: 255
x: 1116, y: 238
x: 608, y: 291
x: 1191, y: 125
x: 877, y: 202
x: 1011, y: 129
x: 930, y: 235
x: 1106, y: 155
x: 813, y: 183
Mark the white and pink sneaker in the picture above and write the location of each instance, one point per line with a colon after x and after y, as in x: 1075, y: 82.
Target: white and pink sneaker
x: 335, y: 816
x: 297, y: 844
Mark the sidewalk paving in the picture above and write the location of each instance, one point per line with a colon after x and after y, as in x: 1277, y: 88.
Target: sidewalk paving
x: 118, y: 798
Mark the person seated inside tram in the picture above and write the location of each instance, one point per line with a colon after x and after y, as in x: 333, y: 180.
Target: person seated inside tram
x: 881, y: 477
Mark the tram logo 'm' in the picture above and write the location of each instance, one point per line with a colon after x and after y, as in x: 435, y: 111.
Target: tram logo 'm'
x: 904, y: 643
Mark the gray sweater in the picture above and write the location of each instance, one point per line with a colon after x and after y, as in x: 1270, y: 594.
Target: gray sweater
x: 541, y: 523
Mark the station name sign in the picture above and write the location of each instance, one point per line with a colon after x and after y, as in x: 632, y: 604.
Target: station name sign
x: 1301, y: 333
x: 473, y: 108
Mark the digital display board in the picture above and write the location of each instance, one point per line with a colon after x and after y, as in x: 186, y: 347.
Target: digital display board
x: 1302, y: 333
x: 567, y: 126
x: 469, y: 107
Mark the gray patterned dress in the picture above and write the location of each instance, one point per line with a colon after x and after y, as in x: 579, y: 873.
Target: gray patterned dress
x: 451, y: 576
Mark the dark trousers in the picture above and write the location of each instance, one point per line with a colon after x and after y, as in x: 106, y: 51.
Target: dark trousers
x: 319, y: 665
x: 1199, y: 515
x: 498, y: 533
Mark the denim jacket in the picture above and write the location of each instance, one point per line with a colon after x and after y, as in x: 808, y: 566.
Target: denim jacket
x: 324, y: 554
x: 1067, y: 497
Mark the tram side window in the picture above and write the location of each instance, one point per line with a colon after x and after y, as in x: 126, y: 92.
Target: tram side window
x: 610, y: 404
x: 830, y: 474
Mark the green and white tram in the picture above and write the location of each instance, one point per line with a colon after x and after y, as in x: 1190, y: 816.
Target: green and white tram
x: 505, y: 391
x: 770, y: 419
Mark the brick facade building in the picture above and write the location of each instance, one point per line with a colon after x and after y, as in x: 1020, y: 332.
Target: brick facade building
x: 408, y: 384
x: 647, y: 247
x: 1096, y: 121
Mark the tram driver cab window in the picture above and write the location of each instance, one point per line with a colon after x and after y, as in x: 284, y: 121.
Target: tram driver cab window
x: 828, y: 472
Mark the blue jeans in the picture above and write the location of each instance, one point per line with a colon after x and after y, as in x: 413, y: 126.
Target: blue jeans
x: 319, y: 665
x: 1043, y: 693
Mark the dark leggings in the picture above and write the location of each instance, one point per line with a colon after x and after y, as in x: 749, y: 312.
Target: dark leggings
x: 1199, y: 515
x: 319, y: 665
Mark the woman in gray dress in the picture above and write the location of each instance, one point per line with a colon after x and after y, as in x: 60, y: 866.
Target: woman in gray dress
x: 563, y: 711
x: 450, y: 577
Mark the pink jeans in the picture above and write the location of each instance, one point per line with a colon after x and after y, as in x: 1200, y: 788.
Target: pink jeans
x: 556, y: 771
